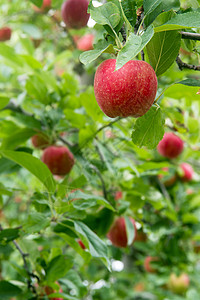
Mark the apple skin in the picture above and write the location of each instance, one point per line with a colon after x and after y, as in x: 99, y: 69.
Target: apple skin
x: 170, y: 146
x: 187, y: 172
x: 147, y: 264
x: 117, y: 233
x: 74, y: 13
x: 178, y: 284
x: 85, y: 43
x: 40, y: 141
x: 58, y: 159
x: 46, y: 5
x: 5, y: 34
x: 129, y: 91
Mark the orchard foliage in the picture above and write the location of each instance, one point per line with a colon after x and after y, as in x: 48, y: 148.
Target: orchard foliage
x: 55, y: 229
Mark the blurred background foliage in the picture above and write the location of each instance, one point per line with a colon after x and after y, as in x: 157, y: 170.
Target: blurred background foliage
x: 45, y: 88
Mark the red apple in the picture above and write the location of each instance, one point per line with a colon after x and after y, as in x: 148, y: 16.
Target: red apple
x: 129, y: 91
x: 178, y: 284
x: 187, y: 172
x: 147, y: 264
x: 117, y: 233
x: 5, y: 34
x: 85, y: 43
x: 74, y: 13
x: 46, y: 5
x: 81, y: 244
x: 170, y: 146
x: 40, y: 141
x: 58, y: 159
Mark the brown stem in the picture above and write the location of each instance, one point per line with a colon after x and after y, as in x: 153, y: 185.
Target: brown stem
x: 190, y: 36
x: 183, y: 65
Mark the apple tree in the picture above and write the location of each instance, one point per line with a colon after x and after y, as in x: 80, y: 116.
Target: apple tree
x: 99, y: 149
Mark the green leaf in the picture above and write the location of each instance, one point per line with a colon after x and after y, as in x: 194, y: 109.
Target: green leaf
x: 36, y: 88
x: 8, y: 235
x: 4, y: 100
x: 73, y: 281
x: 153, y: 8
x: 190, y: 82
x: 10, y: 55
x: 32, y: 30
x: 150, y: 5
x: 130, y: 230
x: 72, y: 242
x: 86, y: 202
x: 149, y: 129
x: 97, y: 247
x: 129, y: 8
x: 133, y: 46
x: 33, y: 165
x: 36, y: 222
x: 17, y: 138
x: 181, y: 21
x: 37, y: 2
x: 106, y: 14
x: 163, y: 49
x: 58, y: 267
x: 88, y: 56
x: 8, y: 290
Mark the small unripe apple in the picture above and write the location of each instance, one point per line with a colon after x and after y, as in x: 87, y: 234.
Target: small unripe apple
x: 58, y: 159
x: 139, y: 287
x: 170, y: 146
x: 40, y: 141
x: 74, y: 13
x: 117, y: 233
x: 81, y: 244
x: 5, y: 34
x: 129, y: 91
x: 49, y: 290
x: 46, y: 5
x: 187, y: 172
x: 85, y: 43
x: 147, y: 264
x: 118, y: 195
x: 178, y: 284
x: 140, y: 236
x: 167, y: 180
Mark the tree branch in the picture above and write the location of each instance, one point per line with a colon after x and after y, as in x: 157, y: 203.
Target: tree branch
x: 183, y: 65
x: 190, y: 36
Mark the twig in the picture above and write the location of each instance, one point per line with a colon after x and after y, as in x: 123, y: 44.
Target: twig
x: 24, y: 255
x: 190, y: 36
x: 142, y: 55
x: 123, y: 32
x: 102, y: 180
x: 66, y: 142
x: 183, y: 65
x: 165, y: 193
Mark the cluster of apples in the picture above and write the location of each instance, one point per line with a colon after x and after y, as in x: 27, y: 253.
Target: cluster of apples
x: 171, y: 146
x: 59, y: 159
